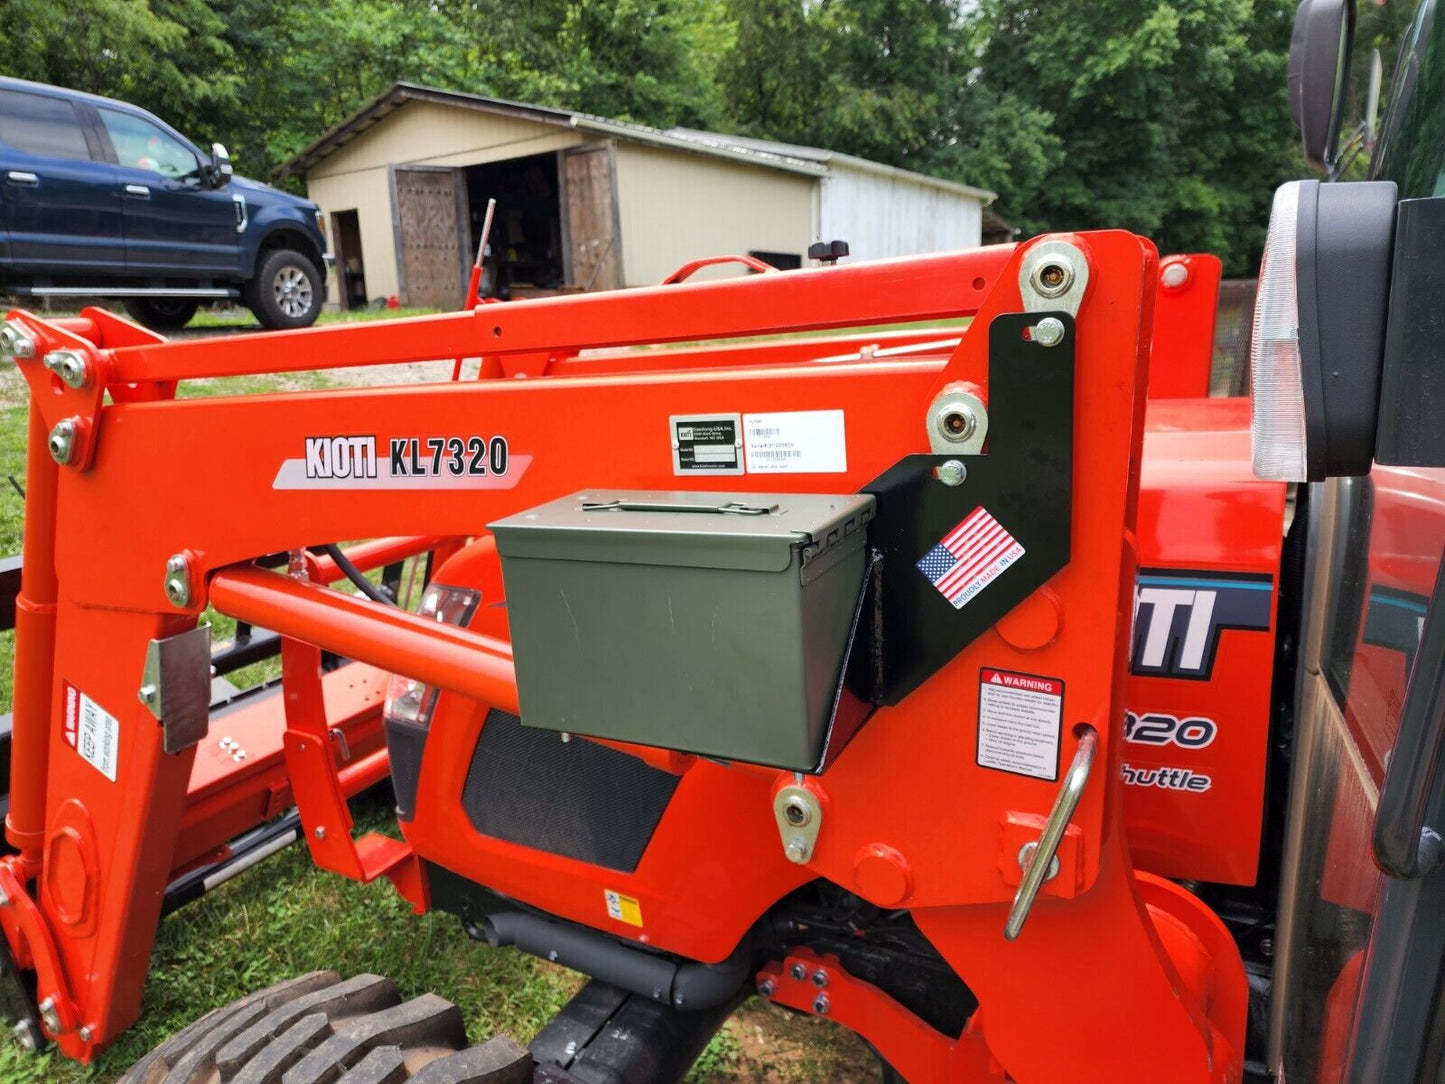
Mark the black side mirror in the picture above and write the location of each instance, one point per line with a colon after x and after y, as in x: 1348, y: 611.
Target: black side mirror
x: 1319, y: 68
x: 221, y: 170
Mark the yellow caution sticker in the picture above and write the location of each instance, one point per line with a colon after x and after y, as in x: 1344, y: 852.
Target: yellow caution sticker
x: 623, y: 908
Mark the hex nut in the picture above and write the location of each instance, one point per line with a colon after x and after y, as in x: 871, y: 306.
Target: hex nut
x: 767, y: 988
x: 820, y: 1005
x: 820, y: 978
x: 799, y: 972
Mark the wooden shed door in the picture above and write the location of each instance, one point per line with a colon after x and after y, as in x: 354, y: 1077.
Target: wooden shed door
x: 429, y: 221
x: 592, y: 218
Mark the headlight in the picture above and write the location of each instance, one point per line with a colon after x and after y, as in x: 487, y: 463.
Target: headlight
x: 410, y: 701
x: 1277, y: 405
x: 1319, y: 330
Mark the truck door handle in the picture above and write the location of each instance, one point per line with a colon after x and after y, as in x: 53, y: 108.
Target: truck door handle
x: 1407, y: 844
x: 1037, y: 863
x: 137, y: 191
x: 20, y: 176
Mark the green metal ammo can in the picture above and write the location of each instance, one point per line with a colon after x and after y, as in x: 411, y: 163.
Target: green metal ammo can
x: 710, y: 623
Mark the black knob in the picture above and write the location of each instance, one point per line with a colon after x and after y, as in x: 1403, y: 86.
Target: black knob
x: 828, y: 251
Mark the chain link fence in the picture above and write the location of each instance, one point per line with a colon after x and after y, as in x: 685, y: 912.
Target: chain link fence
x: 1229, y: 374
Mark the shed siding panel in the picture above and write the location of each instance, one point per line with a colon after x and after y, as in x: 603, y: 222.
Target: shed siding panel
x: 675, y: 207
x: 368, y: 192
x: 883, y: 216
x: 424, y: 133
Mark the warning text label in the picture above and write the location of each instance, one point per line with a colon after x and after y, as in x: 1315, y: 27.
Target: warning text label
x: 1019, y: 719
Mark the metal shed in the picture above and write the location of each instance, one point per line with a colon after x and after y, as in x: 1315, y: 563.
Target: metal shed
x: 590, y: 203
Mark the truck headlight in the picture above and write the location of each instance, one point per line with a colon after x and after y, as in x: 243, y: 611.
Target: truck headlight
x: 1319, y: 329
x: 410, y: 701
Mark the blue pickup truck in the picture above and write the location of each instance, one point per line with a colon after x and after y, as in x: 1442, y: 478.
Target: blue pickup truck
x: 101, y: 199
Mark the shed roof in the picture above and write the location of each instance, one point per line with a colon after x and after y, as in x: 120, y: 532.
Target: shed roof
x: 787, y: 157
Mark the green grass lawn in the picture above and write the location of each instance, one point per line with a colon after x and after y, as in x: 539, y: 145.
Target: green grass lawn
x: 285, y: 917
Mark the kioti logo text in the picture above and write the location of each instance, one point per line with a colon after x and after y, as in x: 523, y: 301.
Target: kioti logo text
x: 1179, y: 616
x: 341, y: 457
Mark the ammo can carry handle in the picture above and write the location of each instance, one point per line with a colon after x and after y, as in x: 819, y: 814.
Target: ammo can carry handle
x: 732, y: 508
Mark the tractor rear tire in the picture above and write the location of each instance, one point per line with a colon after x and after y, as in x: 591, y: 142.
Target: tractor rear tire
x: 321, y: 1029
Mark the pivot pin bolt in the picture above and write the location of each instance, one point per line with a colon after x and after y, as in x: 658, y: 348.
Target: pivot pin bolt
x: 820, y: 1005
x: 178, y: 580
x: 1052, y: 278
x: 797, y: 812
x: 50, y: 1016
x: 62, y: 440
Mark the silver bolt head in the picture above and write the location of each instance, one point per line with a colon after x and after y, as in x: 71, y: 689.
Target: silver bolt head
x: 799, y: 972
x: 62, y: 441
x: 767, y: 988
x: 967, y: 424
x: 86, y: 1034
x: 25, y: 1032
x: 952, y: 472
x: 320, y: 832
x: 820, y: 978
x: 49, y: 1016
x: 820, y: 1005
x: 15, y: 342
x: 1049, y: 331
x: 176, y: 563
x: 571, y: 1048
x: 797, y: 850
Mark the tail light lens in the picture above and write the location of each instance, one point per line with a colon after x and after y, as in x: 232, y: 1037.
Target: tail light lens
x: 1277, y: 395
x: 412, y: 702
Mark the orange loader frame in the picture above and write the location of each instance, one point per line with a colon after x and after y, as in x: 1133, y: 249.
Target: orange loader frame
x: 1117, y: 974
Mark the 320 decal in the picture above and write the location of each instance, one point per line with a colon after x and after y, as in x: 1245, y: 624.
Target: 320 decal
x: 1156, y: 728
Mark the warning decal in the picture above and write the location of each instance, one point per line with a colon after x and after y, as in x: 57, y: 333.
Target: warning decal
x: 970, y: 557
x: 623, y: 908
x: 1019, y: 719
x: 91, y: 731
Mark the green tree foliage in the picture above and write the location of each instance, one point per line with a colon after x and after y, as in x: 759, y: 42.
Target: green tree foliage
x: 1163, y: 116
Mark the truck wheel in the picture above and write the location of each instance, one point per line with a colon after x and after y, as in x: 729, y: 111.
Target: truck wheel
x: 287, y: 291
x: 162, y: 314
x: 320, y: 1029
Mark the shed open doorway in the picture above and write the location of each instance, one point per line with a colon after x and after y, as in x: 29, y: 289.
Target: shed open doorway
x: 527, y: 248
x: 351, y: 267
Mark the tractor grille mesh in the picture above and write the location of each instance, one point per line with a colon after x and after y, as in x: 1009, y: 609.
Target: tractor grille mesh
x: 577, y: 799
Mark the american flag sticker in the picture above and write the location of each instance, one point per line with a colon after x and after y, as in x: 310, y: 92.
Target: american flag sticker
x: 970, y: 557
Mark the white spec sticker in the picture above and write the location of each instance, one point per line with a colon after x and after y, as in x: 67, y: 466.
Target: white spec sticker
x: 796, y: 442
x: 1019, y: 719
x: 92, y: 732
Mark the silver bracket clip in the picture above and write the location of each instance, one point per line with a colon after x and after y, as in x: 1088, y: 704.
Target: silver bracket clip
x: 176, y: 686
x: 800, y: 816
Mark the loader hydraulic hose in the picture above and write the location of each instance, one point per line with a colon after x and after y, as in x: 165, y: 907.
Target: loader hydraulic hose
x: 687, y: 985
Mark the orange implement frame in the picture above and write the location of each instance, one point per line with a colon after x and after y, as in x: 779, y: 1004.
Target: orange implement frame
x: 1111, y: 978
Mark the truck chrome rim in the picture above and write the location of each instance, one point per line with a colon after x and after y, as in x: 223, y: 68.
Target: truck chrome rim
x: 292, y: 290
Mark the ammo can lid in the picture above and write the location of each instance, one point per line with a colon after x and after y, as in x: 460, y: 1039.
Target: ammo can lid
x: 747, y: 531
